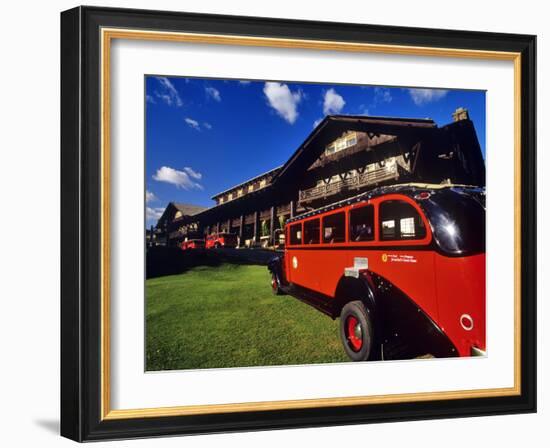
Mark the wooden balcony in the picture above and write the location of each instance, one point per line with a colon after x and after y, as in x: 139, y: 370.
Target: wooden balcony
x: 364, y: 143
x: 178, y: 234
x: 359, y: 181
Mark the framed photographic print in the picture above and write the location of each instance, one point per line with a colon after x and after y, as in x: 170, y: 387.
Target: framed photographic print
x: 275, y: 224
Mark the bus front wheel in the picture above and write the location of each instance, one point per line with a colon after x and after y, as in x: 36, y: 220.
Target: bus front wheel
x: 356, y: 331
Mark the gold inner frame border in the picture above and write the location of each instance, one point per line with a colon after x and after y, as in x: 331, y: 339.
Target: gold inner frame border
x: 107, y: 35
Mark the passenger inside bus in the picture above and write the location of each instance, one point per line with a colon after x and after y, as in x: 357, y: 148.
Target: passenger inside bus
x: 334, y: 228
x: 362, y: 224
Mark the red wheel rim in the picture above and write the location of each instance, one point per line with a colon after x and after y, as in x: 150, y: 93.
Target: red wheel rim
x: 354, y: 333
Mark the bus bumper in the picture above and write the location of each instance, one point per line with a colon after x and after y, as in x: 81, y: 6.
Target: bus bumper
x: 474, y: 351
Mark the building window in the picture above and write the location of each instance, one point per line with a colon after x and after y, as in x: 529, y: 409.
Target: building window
x: 400, y: 221
x: 220, y: 200
x: 251, y: 188
x: 342, y: 143
x: 240, y: 192
x: 296, y: 234
x: 262, y: 183
x: 312, y: 230
x: 230, y: 196
x: 361, y: 224
x: 334, y: 228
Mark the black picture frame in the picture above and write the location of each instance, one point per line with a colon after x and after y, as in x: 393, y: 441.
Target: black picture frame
x: 81, y: 224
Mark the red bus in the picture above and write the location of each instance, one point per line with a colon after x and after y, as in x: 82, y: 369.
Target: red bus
x: 192, y: 244
x: 403, y: 267
x: 222, y: 239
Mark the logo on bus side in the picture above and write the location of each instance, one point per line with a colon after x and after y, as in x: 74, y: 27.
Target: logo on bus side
x: 294, y: 262
x: 399, y: 258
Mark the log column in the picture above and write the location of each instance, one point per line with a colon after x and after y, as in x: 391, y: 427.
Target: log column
x: 292, y: 209
x: 256, y: 227
x: 241, y: 231
x: 273, y: 215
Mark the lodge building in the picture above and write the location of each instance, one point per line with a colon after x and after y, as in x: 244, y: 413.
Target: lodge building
x: 343, y: 156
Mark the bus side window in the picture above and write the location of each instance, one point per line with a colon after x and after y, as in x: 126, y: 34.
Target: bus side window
x: 312, y: 231
x: 399, y: 220
x: 334, y: 228
x: 361, y: 224
x: 296, y: 233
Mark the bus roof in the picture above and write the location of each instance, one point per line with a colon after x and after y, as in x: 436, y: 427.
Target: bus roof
x: 408, y: 189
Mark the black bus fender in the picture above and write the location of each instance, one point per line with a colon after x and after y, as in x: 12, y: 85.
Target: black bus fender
x: 395, y: 316
x: 352, y: 288
x: 275, y: 266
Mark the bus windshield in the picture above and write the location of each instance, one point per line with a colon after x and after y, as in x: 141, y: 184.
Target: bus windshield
x: 458, y: 221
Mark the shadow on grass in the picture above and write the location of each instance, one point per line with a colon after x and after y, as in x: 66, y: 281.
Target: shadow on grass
x: 163, y: 260
x: 172, y: 260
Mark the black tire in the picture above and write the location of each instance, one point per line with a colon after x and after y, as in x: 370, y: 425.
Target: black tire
x: 276, y: 285
x: 358, y: 344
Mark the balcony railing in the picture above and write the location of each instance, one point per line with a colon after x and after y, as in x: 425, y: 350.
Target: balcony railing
x: 177, y: 234
x: 358, y: 181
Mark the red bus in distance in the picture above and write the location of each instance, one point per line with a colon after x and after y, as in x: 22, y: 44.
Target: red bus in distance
x: 192, y: 244
x: 222, y: 239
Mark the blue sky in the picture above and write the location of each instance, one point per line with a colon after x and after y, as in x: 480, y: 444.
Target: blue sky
x: 206, y: 135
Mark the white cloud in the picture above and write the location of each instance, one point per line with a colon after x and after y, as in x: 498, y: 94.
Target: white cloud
x: 193, y: 123
x: 423, y: 96
x: 194, y: 174
x: 316, y: 122
x: 244, y: 83
x: 168, y: 92
x: 214, y: 93
x: 333, y: 102
x: 382, y: 95
x: 196, y: 125
x: 150, y: 196
x: 150, y: 99
x: 153, y: 213
x: 283, y: 100
x: 181, y: 179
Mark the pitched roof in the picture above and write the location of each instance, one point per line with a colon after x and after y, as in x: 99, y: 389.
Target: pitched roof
x: 332, y: 127
x: 188, y: 209
x: 273, y: 171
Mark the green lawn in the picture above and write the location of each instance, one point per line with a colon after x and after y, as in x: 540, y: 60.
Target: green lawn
x: 226, y: 316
